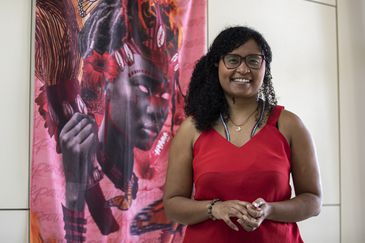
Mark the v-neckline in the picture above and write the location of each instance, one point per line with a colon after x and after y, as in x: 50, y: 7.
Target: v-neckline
x: 243, y: 145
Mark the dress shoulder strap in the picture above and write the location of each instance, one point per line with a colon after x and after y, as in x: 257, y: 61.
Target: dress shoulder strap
x: 275, y: 114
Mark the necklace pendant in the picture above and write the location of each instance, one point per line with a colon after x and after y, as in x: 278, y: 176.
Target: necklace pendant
x: 238, y: 129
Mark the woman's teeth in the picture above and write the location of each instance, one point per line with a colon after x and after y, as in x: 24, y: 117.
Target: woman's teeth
x: 241, y: 80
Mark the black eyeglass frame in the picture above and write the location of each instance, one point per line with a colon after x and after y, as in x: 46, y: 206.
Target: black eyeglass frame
x: 243, y: 59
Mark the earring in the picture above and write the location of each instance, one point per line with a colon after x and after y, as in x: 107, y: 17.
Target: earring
x: 260, y: 95
x: 267, y: 75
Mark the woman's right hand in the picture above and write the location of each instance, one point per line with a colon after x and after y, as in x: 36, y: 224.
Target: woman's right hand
x: 225, y: 210
x: 78, y: 141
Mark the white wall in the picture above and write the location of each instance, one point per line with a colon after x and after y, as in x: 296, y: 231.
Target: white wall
x: 322, y: 85
x: 351, y: 28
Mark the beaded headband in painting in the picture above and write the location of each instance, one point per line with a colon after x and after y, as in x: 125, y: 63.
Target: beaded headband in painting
x: 146, y: 28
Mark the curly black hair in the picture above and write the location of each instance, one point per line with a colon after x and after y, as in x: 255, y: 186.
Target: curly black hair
x: 205, y: 99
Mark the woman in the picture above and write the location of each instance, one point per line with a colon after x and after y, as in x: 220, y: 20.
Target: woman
x: 238, y: 148
x: 128, y: 85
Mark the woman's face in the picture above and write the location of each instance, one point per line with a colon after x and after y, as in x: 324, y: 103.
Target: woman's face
x: 242, y: 82
x: 139, y: 103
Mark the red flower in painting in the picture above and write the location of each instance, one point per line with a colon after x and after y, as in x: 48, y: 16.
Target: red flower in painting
x: 99, y: 68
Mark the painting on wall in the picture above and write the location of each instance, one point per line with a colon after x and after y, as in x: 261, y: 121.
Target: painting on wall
x: 110, y: 81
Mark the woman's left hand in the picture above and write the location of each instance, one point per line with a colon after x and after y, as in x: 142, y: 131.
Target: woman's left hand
x: 258, y: 211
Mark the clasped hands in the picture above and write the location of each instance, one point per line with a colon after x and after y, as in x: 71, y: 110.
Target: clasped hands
x: 249, y: 215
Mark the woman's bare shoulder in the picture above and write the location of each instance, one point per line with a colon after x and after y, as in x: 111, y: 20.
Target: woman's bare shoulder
x: 290, y: 120
x: 188, y: 131
x: 291, y: 125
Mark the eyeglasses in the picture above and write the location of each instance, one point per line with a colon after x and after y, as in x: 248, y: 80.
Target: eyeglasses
x: 253, y: 61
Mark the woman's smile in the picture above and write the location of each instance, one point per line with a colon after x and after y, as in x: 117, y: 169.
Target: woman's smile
x: 241, y: 80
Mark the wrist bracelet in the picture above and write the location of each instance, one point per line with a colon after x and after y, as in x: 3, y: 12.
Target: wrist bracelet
x: 210, y: 207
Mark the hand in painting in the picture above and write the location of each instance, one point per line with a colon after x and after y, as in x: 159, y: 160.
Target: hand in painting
x: 78, y: 141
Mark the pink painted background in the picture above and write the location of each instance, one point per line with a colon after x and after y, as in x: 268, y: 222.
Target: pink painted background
x: 47, y: 175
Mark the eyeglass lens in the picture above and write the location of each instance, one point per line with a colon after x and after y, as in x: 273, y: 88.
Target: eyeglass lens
x: 252, y: 61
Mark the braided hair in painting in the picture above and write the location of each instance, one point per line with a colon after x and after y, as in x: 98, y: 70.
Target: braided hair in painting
x: 205, y: 99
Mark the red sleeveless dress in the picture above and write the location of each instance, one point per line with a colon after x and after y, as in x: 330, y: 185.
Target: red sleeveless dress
x: 260, y: 168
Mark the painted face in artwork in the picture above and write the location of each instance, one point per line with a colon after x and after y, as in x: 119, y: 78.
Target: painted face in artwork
x: 139, y: 102
x: 242, y: 81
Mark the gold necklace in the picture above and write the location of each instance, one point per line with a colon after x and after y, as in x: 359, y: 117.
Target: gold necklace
x: 238, y: 127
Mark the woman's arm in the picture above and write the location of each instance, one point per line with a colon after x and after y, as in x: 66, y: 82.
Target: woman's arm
x: 305, y: 173
x: 179, y: 206
x: 179, y: 182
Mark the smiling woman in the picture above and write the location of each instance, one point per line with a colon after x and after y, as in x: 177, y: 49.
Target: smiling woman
x: 237, y: 149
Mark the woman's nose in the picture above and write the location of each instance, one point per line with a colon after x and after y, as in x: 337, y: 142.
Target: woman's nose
x: 153, y: 106
x: 156, y: 106
x: 243, y: 68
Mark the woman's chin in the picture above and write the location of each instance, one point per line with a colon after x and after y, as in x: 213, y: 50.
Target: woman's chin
x: 144, y: 145
x: 145, y: 141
